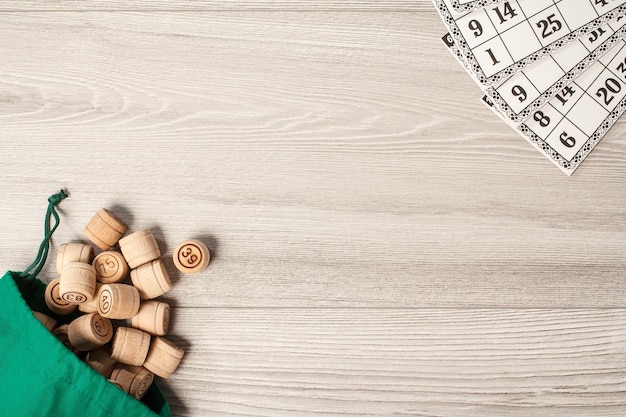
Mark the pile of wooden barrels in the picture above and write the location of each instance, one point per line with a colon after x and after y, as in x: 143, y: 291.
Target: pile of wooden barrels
x: 135, y: 351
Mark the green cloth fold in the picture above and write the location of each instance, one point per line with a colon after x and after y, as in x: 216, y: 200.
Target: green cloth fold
x: 39, y: 376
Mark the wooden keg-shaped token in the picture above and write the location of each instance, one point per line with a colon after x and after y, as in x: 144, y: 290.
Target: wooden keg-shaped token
x: 61, y: 333
x: 77, y: 283
x: 163, y: 357
x: 73, y: 252
x: 134, y: 380
x: 91, y: 306
x: 100, y: 360
x: 191, y: 256
x: 151, y: 279
x: 153, y: 317
x: 111, y: 267
x: 139, y: 248
x: 47, y: 321
x: 90, y: 331
x: 130, y: 346
x: 105, y: 229
x: 118, y: 301
x: 53, y: 299
x: 116, y: 384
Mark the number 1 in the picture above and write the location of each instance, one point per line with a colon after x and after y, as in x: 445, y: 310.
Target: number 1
x: 493, y: 57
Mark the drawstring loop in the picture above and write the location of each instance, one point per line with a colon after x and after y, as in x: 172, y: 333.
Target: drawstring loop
x: 42, y: 254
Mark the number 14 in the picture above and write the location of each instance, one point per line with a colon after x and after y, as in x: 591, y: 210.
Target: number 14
x: 507, y: 11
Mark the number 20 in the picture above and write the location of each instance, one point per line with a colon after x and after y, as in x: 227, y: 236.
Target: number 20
x: 613, y: 86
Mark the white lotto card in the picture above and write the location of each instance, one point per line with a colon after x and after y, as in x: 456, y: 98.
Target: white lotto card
x: 467, y: 5
x: 531, y: 87
x: 570, y: 125
x: 498, y: 41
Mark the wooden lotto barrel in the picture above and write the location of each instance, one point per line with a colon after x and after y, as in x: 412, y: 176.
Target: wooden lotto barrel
x: 61, y: 333
x: 73, y: 252
x: 91, y: 306
x: 118, y: 301
x: 53, y: 300
x: 151, y: 279
x: 163, y: 357
x: 191, y: 256
x: 111, y: 267
x: 47, y: 321
x: 130, y: 346
x: 116, y: 384
x: 77, y: 283
x: 100, y: 360
x: 139, y: 248
x: 153, y: 317
x: 90, y: 331
x: 134, y: 380
x: 105, y: 229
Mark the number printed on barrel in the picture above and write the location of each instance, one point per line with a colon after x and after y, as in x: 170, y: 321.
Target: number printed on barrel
x: 107, y: 266
x: 190, y: 255
x: 105, y: 301
x: 74, y: 297
x: 55, y: 294
x: 101, y: 327
x: 145, y: 384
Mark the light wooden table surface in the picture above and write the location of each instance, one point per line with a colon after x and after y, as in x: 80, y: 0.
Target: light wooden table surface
x: 383, y: 244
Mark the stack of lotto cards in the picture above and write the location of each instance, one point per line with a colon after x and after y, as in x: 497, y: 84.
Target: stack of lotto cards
x: 555, y: 70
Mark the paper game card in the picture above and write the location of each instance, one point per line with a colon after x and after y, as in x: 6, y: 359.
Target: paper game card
x: 498, y: 41
x: 531, y: 87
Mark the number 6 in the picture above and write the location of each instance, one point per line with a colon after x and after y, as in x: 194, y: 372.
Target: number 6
x: 567, y: 140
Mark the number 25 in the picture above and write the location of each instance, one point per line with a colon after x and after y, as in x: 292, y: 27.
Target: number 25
x: 549, y: 25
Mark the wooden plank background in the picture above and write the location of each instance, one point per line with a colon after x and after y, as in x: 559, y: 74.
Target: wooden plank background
x: 382, y: 243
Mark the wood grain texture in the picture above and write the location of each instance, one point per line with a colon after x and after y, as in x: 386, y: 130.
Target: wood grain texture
x: 215, y: 5
x: 372, y: 362
x: 332, y: 158
x: 381, y: 243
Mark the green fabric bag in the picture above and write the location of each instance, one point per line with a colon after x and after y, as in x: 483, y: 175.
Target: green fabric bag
x: 39, y: 376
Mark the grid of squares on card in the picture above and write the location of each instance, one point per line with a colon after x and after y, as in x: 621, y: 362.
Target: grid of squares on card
x: 571, y: 124
x: 499, y: 40
x: 562, y: 98
x: 530, y: 88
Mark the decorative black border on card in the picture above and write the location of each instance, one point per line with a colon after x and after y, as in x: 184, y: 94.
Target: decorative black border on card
x: 476, y: 4
x: 472, y: 5
x: 474, y: 68
x: 567, y: 166
x: 495, y: 97
x: 593, y: 140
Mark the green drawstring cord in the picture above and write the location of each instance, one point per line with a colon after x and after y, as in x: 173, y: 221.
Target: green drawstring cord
x: 34, y: 268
